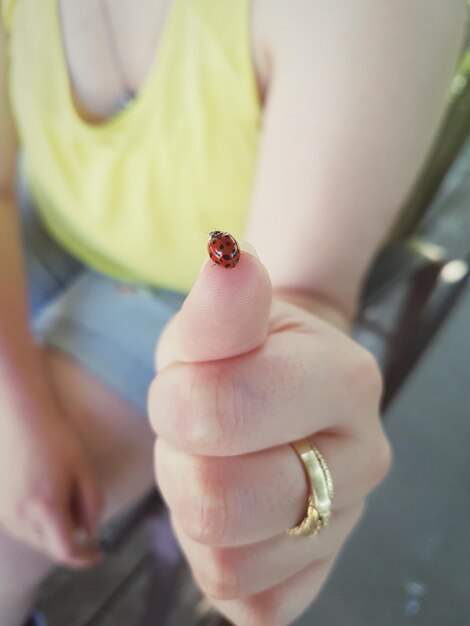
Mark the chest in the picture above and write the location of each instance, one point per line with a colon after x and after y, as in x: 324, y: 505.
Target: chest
x: 110, y: 48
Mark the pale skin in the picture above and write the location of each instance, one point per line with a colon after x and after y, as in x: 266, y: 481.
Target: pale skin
x: 342, y: 143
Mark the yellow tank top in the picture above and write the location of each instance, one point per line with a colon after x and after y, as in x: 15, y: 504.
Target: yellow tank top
x: 136, y: 196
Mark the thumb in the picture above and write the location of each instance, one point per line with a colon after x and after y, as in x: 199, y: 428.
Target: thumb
x: 224, y: 315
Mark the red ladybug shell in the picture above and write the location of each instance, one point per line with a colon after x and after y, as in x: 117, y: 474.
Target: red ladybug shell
x: 223, y: 249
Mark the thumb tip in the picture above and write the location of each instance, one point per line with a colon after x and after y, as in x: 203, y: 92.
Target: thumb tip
x: 226, y: 312
x: 246, y: 246
x: 243, y: 244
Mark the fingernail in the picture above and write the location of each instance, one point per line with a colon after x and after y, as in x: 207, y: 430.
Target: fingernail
x: 246, y: 246
x: 205, y: 262
x: 83, y: 538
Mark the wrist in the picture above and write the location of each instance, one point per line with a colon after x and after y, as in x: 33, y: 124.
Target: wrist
x: 320, y: 306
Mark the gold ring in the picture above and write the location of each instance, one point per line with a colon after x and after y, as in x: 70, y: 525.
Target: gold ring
x: 320, y: 499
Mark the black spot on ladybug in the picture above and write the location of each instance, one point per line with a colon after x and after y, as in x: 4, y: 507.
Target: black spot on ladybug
x: 227, y: 265
x: 226, y: 257
x: 210, y: 254
x: 221, y: 247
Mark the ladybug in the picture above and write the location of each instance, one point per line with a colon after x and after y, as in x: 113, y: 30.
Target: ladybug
x: 223, y: 249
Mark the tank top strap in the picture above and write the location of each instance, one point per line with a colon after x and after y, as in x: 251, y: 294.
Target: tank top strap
x: 228, y: 24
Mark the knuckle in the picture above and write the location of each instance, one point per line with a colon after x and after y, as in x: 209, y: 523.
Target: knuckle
x: 207, y: 407
x: 14, y: 521
x: 271, y: 611
x: 18, y: 518
x: 205, y: 510
x: 220, y: 578
x: 32, y: 508
x: 363, y: 374
x: 63, y: 555
x: 19, y: 512
x: 268, y: 607
x: 45, y: 505
x: 358, y: 513
x: 379, y: 461
x: 352, y: 519
x: 152, y: 403
x: 370, y: 373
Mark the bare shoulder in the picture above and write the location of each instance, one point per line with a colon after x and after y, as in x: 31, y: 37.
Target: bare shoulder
x: 277, y: 20
x: 273, y: 24
x: 286, y: 36
x: 277, y: 25
x: 298, y: 22
x: 292, y: 33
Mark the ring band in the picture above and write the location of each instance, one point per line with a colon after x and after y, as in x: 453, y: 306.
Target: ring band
x: 320, y: 499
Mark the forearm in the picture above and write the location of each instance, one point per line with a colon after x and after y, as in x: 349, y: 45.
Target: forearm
x: 343, y: 142
x: 23, y: 384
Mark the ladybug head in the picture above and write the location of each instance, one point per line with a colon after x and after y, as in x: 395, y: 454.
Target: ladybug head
x: 215, y: 233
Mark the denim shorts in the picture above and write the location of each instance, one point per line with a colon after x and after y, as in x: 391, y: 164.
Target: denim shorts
x: 109, y: 327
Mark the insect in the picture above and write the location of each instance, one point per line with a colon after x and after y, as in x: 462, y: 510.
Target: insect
x: 223, y: 249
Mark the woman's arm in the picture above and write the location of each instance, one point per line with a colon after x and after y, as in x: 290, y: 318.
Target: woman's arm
x: 43, y: 468
x: 8, y: 139
x: 22, y: 381
x: 355, y: 94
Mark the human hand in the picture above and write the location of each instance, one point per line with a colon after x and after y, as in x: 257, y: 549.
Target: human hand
x: 240, y: 376
x: 48, y: 496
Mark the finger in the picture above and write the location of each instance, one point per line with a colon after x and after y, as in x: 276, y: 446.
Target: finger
x: 87, y: 503
x: 281, y: 604
x: 58, y: 537
x: 292, y: 386
x: 230, y: 573
x: 32, y: 533
x: 225, y: 314
x: 245, y: 499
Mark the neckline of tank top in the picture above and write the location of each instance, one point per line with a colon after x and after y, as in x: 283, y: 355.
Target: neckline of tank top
x: 110, y: 123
